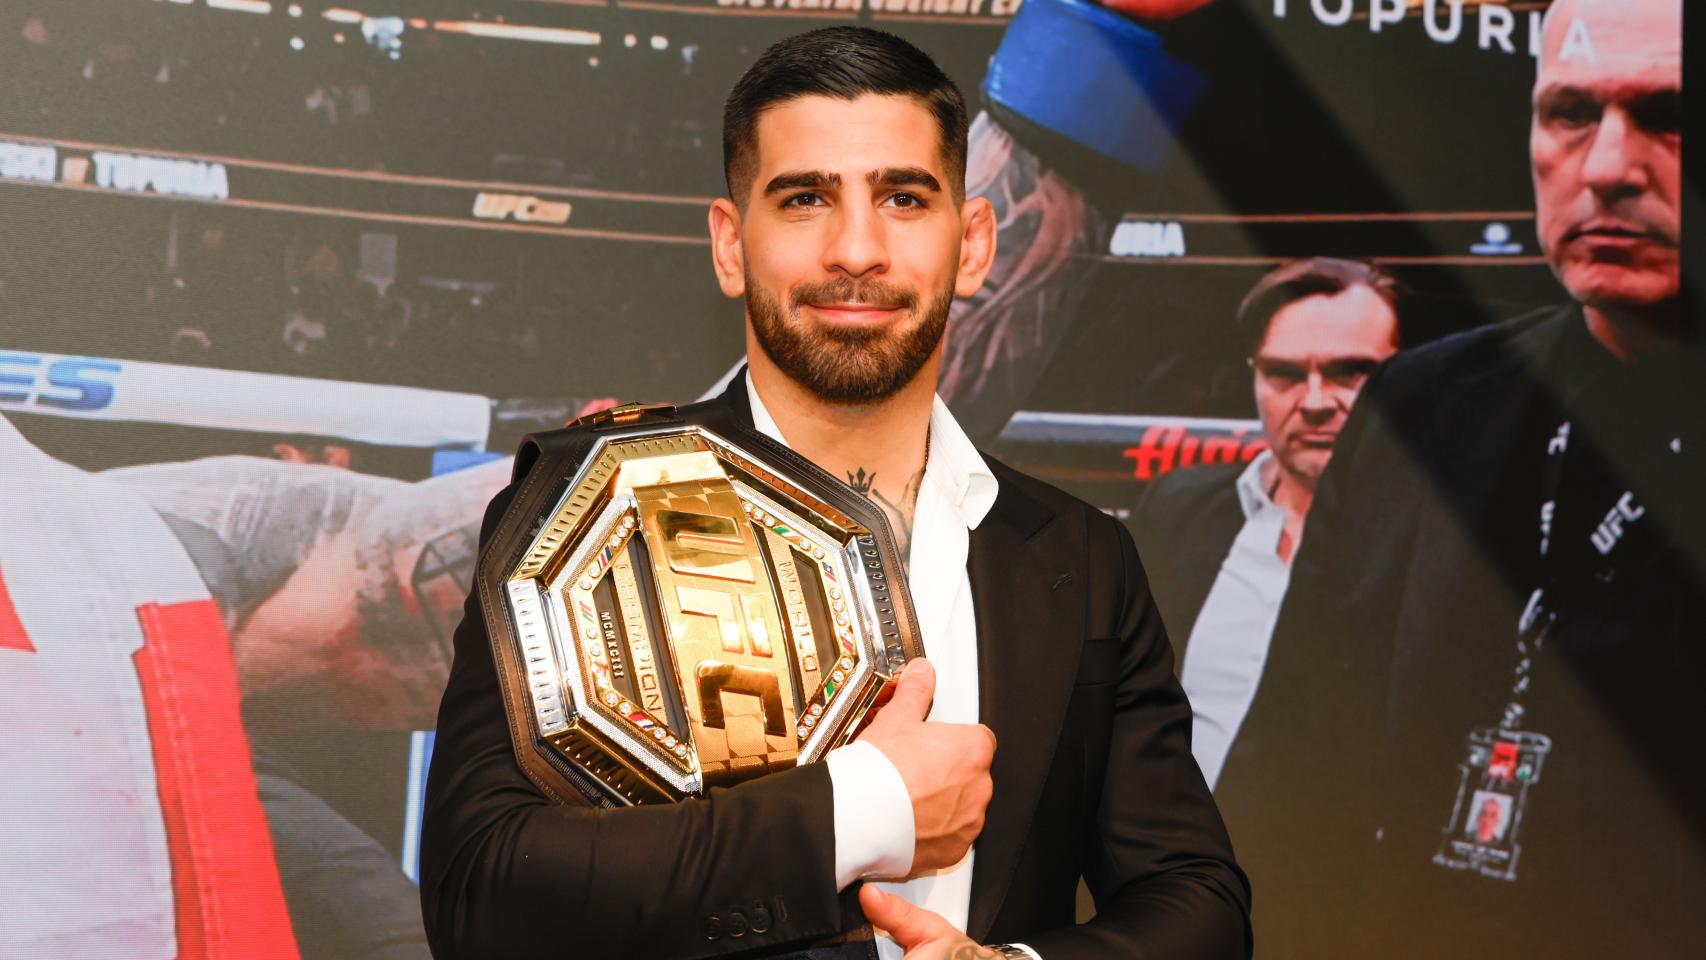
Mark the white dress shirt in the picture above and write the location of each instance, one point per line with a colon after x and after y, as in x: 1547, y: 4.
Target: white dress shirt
x: 874, y: 832
x: 1229, y: 644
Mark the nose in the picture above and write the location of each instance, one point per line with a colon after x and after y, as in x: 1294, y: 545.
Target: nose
x: 1615, y: 164
x: 1317, y: 399
x: 858, y: 242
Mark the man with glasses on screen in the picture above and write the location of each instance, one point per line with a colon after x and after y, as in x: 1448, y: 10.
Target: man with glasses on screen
x: 1218, y: 541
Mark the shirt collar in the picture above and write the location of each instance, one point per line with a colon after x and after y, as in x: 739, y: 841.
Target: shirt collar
x: 954, y: 462
x: 1252, y: 491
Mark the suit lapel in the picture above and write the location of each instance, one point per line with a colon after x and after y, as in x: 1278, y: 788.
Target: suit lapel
x: 1475, y: 529
x: 1492, y: 406
x: 1027, y: 591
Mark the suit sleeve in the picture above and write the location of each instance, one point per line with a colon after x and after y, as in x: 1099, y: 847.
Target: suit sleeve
x: 508, y: 873
x: 1159, y: 863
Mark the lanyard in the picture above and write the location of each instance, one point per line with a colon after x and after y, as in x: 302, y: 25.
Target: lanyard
x: 1538, y: 617
x: 1618, y: 524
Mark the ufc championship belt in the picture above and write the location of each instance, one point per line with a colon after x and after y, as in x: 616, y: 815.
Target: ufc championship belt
x: 677, y: 602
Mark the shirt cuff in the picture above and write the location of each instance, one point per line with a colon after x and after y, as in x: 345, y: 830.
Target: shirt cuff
x: 874, y: 832
x: 1028, y: 951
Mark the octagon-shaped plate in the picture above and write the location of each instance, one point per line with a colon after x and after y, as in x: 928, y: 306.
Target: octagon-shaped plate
x: 690, y: 613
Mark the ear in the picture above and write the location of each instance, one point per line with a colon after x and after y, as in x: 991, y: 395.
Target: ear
x: 728, y: 256
x: 977, y: 245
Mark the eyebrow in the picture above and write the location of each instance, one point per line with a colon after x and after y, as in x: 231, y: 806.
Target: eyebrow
x: 801, y: 180
x: 820, y: 180
x: 1333, y: 358
x: 1616, y: 92
x: 904, y: 177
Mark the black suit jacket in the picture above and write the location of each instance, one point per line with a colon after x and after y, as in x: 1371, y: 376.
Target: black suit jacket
x: 1397, y: 639
x: 1184, y: 527
x: 1093, y: 776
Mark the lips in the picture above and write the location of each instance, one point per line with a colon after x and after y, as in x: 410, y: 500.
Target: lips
x: 1614, y: 231
x: 1316, y: 439
x: 850, y: 301
x: 854, y: 312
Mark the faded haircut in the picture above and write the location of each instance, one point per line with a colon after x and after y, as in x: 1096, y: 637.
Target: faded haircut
x: 845, y: 63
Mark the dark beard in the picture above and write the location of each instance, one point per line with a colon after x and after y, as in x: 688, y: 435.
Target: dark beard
x: 857, y: 366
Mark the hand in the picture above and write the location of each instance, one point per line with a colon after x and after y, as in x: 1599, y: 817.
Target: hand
x: 923, y: 934
x: 945, y: 767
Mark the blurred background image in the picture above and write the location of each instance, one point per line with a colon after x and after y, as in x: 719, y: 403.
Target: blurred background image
x: 285, y: 282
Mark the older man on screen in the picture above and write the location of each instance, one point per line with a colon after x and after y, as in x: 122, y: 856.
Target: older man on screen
x: 1499, y: 597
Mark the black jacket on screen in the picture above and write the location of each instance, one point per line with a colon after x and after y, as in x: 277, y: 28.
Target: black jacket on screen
x: 1397, y: 638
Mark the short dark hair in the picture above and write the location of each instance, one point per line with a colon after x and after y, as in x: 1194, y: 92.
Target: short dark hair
x: 845, y: 63
x: 1299, y: 279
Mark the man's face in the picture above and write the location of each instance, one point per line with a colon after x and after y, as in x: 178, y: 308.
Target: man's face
x: 1309, y: 367
x: 1489, y: 821
x: 851, y: 243
x: 1606, y: 144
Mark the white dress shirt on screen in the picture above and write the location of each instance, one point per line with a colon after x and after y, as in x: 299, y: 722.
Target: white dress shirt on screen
x: 1228, y: 647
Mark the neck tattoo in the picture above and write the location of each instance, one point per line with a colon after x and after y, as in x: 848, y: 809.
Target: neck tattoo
x: 899, y: 513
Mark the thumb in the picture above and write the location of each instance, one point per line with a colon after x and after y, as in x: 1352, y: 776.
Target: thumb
x: 914, y: 691
x: 907, y: 924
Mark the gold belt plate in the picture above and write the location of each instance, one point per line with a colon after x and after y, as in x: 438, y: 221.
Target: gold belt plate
x: 688, y: 616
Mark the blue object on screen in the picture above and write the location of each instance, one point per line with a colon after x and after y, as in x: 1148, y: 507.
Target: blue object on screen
x: 1094, y: 77
x: 420, y: 759
x: 450, y: 461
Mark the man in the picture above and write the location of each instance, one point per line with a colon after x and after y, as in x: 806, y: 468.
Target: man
x: 847, y: 233
x: 1500, y: 591
x: 1219, y: 540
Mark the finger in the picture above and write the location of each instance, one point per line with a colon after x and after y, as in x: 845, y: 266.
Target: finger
x: 907, y: 924
x: 914, y: 691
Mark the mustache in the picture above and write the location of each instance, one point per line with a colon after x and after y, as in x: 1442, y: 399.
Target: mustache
x: 845, y: 290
